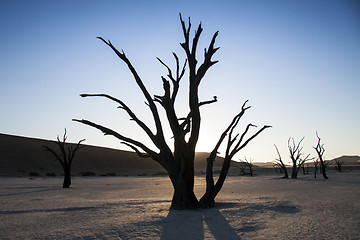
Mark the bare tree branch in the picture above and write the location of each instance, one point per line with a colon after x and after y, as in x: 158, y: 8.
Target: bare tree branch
x: 140, y: 154
x: 72, y: 151
x: 141, y: 85
x: 108, y: 131
x: 208, y: 102
x: 57, y: 156
x: 130, y: 113
x: 281, y: 164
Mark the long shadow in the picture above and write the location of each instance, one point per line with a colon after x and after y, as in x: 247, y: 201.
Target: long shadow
x: 183, y: 225
x: 191, y: 224
x: 69, y: 209
x: 30, y: 190
x: 219, y: 226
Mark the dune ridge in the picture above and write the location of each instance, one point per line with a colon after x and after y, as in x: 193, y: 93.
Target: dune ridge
x: 21, y: 155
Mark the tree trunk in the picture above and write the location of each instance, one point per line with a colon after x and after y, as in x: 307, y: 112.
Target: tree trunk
x: 184, y: 197
x: 324, y: 170
x: 286, y: 175
x: 67, y: 177
x: 294, y: 171
x: 208, y: 200
x: 183, y: 181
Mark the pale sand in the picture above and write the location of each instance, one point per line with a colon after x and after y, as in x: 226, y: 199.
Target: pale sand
x: 261, y: 207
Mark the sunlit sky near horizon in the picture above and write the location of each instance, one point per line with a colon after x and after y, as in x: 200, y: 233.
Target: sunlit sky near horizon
x: 297, y: 62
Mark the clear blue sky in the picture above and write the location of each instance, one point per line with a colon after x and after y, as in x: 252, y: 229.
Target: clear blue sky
x: 298, y: 63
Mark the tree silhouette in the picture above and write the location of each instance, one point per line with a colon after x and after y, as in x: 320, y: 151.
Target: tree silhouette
x: 296, y: 156
x: 339, y: 164
x: 247, y: 164
x: 178, y: 163
x: 65, y: 157
x: 279, y: 163
x: 320, y: 152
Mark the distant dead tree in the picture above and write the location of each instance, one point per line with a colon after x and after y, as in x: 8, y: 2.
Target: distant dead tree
x: 316, y: 166
x: 325, y: 166
x: 296, y: 156
x: 339, y: 164
x: 320, y: 152
x: 280, y: 164
x: 65, y: 157
x: 248, y: 164
x: 303, y: 168
x: 242, y: 167
x: 179, y: 162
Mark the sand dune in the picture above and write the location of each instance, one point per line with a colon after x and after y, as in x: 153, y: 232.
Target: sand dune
x: 20, y: 155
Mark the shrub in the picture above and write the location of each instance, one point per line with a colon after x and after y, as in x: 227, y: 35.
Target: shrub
x: 34, y: 174
x: 88, y: 174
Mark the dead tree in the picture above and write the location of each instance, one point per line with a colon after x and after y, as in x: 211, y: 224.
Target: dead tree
x: 296, y: 156
x: 65, y: 157
x: 249, y: 164
x: 316, y: 166
x: 320, y: 152
x: 303, y: 168
x: 279, y: 163
x: 339, y: 164
x: 178, y: 163
x: 242, y: 167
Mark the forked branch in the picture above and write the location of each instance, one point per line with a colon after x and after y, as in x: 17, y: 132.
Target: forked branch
x: 129, y: 111
x: 213, y: 189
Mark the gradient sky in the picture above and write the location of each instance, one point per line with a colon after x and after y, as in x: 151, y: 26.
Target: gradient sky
x: 297, y: 62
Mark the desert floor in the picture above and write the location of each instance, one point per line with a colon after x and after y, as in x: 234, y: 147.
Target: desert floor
x: 260, y: 207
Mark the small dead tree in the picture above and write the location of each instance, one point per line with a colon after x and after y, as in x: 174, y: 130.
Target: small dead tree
x: 249, y: 164
x: 303, y: 168
x: 320, y: 152
x: 339, y: 164
x: 65, y: 157
x: 179, y: 162
x: 280, y: 164
x: 242, y: 167
x: 296, y: 156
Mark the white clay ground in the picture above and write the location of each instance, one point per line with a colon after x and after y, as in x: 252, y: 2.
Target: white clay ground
x: 260, y: 207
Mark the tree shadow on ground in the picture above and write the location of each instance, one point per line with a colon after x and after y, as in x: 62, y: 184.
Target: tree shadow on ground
x: 27, y: 190
x: 221, y: 222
